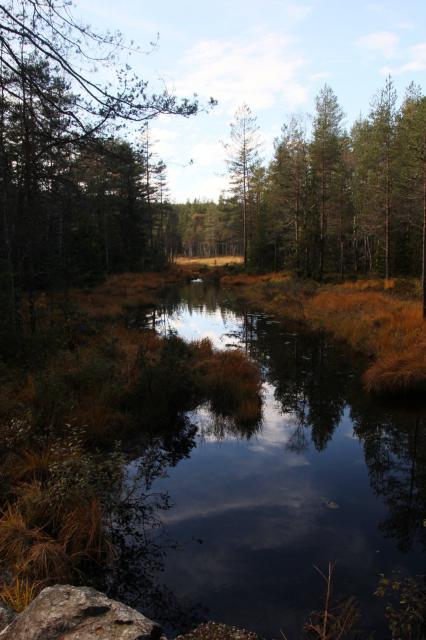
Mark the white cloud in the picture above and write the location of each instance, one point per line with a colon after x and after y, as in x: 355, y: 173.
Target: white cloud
x: 416, y: 62
x: 259, y: 68
x: 164, y: 142
x: 384, y: 43
x: 210, y: 187
x: 204, y: 153
x: 201, y: 185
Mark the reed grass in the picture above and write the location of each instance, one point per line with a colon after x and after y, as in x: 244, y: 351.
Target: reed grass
x: 99, y: 380
x: 214, y: 261
x: 373, y: 316
x: 19, y: 593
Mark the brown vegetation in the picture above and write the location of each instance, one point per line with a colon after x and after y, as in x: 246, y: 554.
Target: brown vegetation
x: 383, y: 320
x: 231, y: 381
x: 124, y: 290
x: 390, y: 330
x: 80, y: 387
x: 214, y: 261
x: 53, y: 520
x: 19, y: 594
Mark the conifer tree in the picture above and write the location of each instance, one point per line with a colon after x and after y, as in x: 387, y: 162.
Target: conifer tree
x: 383, y: 154
x: 326, y: 154
x: 243, y: 159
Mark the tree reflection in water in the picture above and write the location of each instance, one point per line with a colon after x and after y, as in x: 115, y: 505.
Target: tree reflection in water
x: 395, y: 453
x: 140, y: 539
x: 316, y: 382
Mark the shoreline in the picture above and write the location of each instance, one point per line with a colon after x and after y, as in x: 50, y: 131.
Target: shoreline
x: 367, y: 314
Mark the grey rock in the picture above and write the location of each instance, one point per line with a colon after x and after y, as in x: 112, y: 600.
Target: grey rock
x: 6, y: 616
x: 64, y: 612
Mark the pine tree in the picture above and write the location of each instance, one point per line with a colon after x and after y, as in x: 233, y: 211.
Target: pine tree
x: 288, y: 176
x: 243, y: 159
x: 326, y: 154
x: 383, y: 153
x: 412, y: 174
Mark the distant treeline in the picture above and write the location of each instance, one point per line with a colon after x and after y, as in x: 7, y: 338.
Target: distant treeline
x: 329, y: 202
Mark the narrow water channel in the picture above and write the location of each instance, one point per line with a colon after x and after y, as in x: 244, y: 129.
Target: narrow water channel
x: 328, y: 475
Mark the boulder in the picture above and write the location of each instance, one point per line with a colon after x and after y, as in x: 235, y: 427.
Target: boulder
x: 6, y: 616
x: 64, y: 612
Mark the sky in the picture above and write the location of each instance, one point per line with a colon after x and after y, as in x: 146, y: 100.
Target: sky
x: 274, y: 55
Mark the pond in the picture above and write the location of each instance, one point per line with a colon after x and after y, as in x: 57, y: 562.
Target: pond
x: 330, y: 474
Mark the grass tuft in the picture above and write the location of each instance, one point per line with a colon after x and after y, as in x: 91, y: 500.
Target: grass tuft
x: 382, y: 319
x: 19, y: 594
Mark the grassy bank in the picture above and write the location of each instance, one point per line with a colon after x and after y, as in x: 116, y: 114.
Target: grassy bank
x: 382, y: 320
x: 81, y: 386
x: 218, y: 261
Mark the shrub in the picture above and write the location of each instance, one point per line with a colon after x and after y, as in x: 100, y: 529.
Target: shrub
x: 405, y: 607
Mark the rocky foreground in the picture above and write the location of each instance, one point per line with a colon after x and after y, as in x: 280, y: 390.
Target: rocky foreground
x: 64, y: 612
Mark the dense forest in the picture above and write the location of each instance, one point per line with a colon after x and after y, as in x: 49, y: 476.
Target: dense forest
x: 330, y: 201
x: 101, y: 395
x: 83, y: 193
x: 81, y: 197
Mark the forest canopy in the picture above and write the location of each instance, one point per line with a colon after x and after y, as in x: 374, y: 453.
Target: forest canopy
x: 330, y: 201
x: 79, y: 199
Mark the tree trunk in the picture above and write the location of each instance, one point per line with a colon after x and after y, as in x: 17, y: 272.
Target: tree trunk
x: 322, y: 226
x: 296, y: 229
x: 387, y: 213
x: 245, y: 217
x: 424, y: 234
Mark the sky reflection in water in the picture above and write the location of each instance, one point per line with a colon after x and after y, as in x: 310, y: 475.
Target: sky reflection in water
x: 299, y: 492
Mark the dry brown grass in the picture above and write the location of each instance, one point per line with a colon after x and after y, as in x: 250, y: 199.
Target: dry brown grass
x: 218, y: 261
x: 19, y: 594
x: 45, y: 541
x: 231, y: 381
x: 387, y: 328
x: 47, y: 562
x: 244, y: 279
x: 376, y: 284
x: 109, y: 299
x: 16, y: 536
x: 82, y: 532
x: 53, y: 520
x: 99, y: 420
x: 390, y: 330
x: 31, y: 465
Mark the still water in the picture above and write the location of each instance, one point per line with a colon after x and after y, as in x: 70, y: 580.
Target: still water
x: 328, y: 475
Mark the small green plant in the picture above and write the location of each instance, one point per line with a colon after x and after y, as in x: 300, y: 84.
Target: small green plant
x: 405, y: 608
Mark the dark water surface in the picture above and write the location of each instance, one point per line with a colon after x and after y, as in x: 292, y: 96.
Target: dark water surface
x: 329, y: 475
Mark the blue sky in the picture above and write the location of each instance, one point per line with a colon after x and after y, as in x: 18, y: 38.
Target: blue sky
x: 275, y: 55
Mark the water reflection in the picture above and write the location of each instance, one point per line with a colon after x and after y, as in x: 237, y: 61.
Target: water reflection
x: 395, y: 453
x: 329, y: 474
x: 212, y: 426
x: 140, y: 540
